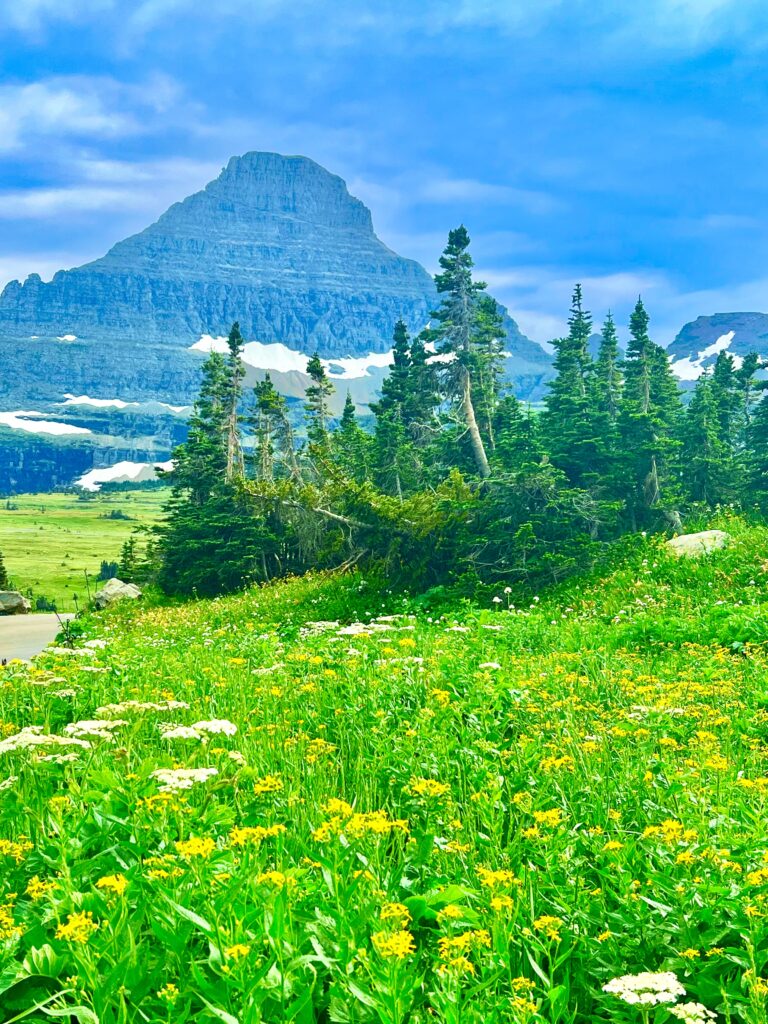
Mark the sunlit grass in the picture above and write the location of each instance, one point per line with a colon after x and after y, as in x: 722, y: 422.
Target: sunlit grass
x: 265, y: 814
x: 49, y: 541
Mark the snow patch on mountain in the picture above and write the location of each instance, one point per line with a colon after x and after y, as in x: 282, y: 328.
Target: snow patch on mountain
x: 115, y: 403
x: 35, y: 423
x: 691, y: 368
x: 280, y: 358
x: 121, y: 472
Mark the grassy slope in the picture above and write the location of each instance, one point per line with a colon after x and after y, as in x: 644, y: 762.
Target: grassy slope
x: 602, y: 754
x: 49, y: 539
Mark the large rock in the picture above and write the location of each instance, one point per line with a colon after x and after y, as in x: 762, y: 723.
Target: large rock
x: 115, y: 590
x: 689, y: 545
x: 13, y: 603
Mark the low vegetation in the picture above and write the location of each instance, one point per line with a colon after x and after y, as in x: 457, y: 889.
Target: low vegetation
x: 254, y: 809
x: 49, y: 541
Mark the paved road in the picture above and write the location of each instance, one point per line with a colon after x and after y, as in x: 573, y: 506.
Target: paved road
x: 21, y: 636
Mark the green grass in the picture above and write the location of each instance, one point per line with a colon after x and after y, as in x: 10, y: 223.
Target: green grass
x: 477, y: 817
x: 49, y: 541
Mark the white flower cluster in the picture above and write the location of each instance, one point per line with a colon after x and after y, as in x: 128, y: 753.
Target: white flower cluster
x: 97, y: 729
x: 126, y: 706
x: 198, y: 730
x: 175, y: 779
x: 693, y: 1013
x: 33, y: 736
x: 646, y: 988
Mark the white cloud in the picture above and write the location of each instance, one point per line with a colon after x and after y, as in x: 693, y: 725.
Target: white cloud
x: 81, y: 107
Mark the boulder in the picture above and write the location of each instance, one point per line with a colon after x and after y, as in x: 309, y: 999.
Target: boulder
x: 691, y: 545
x: 13, y: 603
x: 115, y: 590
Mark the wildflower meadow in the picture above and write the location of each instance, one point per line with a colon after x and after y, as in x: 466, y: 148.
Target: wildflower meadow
x: 319, y: 801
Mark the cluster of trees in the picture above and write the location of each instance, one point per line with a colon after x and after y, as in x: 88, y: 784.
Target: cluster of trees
x: 455, y: 478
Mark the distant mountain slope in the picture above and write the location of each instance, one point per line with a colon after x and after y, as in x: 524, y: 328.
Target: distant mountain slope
x: 698, y: 343
x: 275, y: 242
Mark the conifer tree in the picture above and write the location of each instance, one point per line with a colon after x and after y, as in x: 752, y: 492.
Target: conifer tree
x: 608, y: 380
x: 421, y: 394
x: 211, y: 540
x: 705, y: 456
x: 317, y: 394
x: 648, y: 423
x: 394, y: 448
x: 567, y: 422
x: 757, y: 457
x: 489, y: 337
x: 273, y: 428
x: 351, y: 444
x: 454, y: 335
x: 3, y: 573
x: 232, y: 394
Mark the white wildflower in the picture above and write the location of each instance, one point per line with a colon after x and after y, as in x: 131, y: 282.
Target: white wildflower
x: 99, y: 644
x: 96, y: 729
x: 59, y: 758
x: 180, y: 732
x: 647, y: 988
x: 693, y: 1013
x: 7, y: 783
x: 174, y: 779
x: 236, y: 756
x: 33, y: 736
x: 490, y: 665
x: 216, y: 726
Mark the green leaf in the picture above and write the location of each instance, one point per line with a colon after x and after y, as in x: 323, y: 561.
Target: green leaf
x: 191, y: 916
x: 221, y: 1014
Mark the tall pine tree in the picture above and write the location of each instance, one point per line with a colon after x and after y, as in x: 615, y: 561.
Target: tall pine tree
x: 567, y: 423
x: 649, y: 422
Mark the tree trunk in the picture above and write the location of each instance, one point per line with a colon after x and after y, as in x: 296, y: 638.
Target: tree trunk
x: 478, y: 448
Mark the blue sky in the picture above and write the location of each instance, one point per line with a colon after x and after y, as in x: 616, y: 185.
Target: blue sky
x: 620, y: 144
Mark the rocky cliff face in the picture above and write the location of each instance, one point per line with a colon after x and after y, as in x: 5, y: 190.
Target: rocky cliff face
x: 749, y: 334
x: 275, y: 242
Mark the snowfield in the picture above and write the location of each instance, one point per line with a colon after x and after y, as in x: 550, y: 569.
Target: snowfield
x: 35, y: 423
x: 121, y: 472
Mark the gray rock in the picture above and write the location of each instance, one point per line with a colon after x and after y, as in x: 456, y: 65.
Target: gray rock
x: 693, y: 545
x: 13, y: 603
x: 115, y: 590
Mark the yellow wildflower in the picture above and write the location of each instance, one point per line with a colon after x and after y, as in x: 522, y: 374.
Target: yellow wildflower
x: 397, y: 944
x: 269, y: 784
x: 195, y: 847
x: 113, y: 883
x: 397, y: 912
x: 78, y: 928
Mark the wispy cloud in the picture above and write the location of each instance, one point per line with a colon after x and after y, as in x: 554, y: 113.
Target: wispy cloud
x: 82, y: 107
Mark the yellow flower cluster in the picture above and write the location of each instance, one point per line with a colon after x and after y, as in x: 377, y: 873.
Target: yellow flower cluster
x: 397, y: 944
x: 78, y: 928
x: 195, y: 847
x: 253, y: 835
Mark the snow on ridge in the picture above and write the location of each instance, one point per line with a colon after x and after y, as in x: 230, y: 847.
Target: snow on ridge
x: 115, y: 403
x: 67, y: 337
x: 691, y: 368
x: 121, y: 472
x: 281, y: 359
x: 23, y: 420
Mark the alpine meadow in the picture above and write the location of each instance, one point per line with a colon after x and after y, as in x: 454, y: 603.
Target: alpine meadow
x: 383, y: 512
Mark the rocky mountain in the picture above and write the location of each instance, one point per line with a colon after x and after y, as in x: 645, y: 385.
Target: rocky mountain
x: 275, y: 242
x: 697, y: 345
